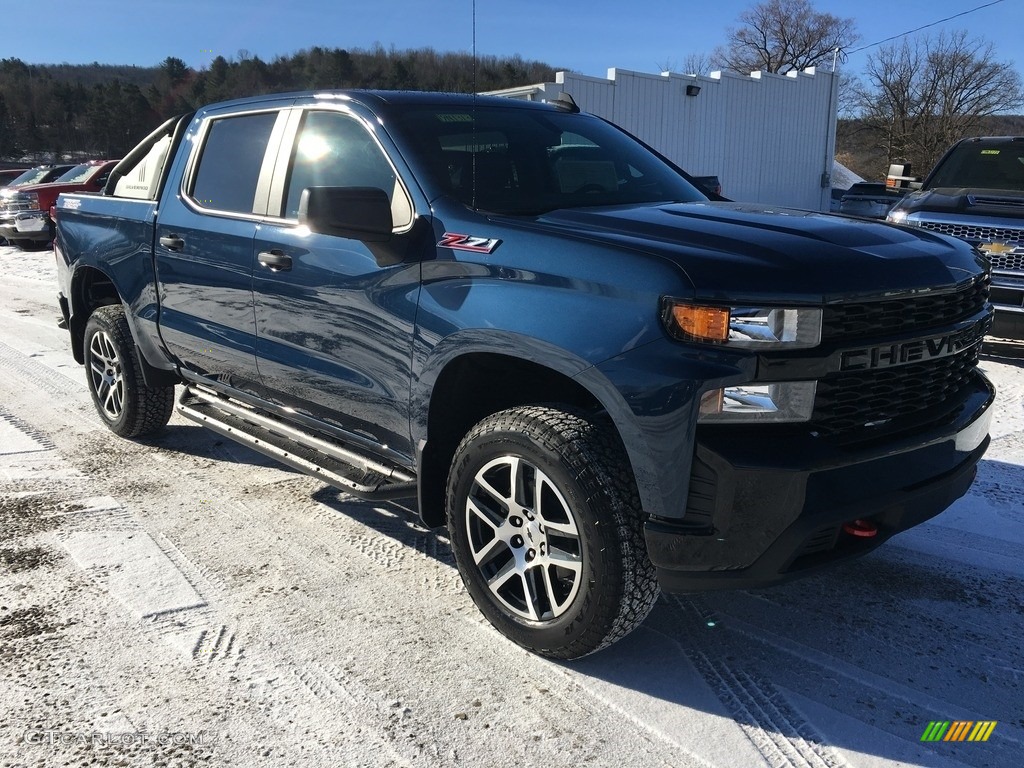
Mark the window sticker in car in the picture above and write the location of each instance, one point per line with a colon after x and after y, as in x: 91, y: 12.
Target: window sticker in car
x: 456, y: 117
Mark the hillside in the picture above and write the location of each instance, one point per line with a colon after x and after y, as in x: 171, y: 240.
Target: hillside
x: 101, y: 109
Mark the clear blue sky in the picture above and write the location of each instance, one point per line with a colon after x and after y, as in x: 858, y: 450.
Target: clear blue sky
x: 587, y: 37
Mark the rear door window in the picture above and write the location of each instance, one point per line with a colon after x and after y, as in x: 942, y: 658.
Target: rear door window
x: 232, y: 157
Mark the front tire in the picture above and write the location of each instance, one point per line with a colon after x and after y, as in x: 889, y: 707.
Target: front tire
x: 127, y: 406
x: 545, y: 523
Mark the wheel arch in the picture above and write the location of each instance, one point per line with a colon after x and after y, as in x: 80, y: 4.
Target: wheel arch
x: 482, y: 378
x: 91, y: 288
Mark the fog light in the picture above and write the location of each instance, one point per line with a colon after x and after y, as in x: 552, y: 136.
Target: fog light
x: 783, y: 401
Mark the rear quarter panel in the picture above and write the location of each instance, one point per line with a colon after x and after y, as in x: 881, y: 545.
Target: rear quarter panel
x: 115, y: 237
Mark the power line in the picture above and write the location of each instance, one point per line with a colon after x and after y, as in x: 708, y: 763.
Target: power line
x: 934, y: 23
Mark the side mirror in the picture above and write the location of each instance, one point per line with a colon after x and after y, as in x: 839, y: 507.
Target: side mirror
x: 361, y: 213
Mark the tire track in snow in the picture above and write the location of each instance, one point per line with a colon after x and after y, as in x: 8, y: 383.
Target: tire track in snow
x: 781, y: 734
x: 39, y: 440
x: 869, y: 686
x: 45, y: 378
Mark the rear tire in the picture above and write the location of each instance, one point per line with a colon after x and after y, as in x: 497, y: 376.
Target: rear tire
x: 127, y: 406
x: 546, y: 527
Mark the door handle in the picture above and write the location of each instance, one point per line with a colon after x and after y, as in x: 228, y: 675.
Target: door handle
x: 172, y: 242
x: 275, y: 260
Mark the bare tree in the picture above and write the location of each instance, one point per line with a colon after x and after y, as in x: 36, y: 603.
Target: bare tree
x: 697, y: 64
x: 693, y: 64
x: 921, y: 95
x: 780, y: 35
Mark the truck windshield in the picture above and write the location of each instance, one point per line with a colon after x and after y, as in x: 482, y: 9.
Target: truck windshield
x: 982, y: 166
x: 526, y: 162
x: 31, y: 176
x: 78, y: 175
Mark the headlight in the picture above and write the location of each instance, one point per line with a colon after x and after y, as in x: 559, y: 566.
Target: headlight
x: 31, y: 200
x: 743, y: 327
x: 897, y: 217
x: 784, y: 401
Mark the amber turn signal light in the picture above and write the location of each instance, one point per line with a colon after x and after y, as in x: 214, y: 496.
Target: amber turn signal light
x: 701, y: 323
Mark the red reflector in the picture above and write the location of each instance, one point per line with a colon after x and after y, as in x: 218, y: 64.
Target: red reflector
x: 863, y: 528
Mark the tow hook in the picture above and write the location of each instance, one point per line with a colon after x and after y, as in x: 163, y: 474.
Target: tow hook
x: 864, y: 529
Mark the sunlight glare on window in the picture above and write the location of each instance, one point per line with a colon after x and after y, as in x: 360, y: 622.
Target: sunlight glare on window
x: 313, y: 147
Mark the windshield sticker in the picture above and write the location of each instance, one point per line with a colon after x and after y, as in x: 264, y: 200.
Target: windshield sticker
x: 990, y: 151
x: 468, y: 243
x: 458, y: 117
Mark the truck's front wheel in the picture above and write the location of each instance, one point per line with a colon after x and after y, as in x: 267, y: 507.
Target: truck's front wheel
x: 122, y: 399
x: 545, y: 524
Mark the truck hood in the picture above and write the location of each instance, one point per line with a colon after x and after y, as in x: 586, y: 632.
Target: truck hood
x: 968, y: 201
x: 731, y: 251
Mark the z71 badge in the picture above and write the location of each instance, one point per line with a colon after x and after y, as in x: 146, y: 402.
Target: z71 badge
x: 468, y: 243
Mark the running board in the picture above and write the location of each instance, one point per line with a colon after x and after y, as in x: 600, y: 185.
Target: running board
x: 333, y: 463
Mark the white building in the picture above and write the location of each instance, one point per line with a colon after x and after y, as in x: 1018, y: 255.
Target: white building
x: 769, y: 138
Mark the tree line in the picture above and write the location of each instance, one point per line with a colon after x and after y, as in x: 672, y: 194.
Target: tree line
x: 917, y: 95
x: 104, y: 110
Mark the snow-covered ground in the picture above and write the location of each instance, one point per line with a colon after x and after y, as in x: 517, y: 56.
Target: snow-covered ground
x: 184, y: 601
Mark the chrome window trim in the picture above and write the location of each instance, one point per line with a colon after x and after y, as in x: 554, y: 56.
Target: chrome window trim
x: 266, y: 167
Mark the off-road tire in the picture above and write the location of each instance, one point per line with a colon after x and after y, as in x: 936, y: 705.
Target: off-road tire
x: 127, y: 406
x: 581, y: 457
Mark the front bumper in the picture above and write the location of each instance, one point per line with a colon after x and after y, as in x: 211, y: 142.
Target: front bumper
x: 1008, y: 300
x: 766, y: 506
x: 35, y: 225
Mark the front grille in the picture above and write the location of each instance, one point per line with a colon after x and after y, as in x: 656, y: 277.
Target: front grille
x: 975, y: 233
x: 1011, y: 261
x: 914, y: 313
x: 18, y: 207
x: 1004, y: 246
x: 848, y: 401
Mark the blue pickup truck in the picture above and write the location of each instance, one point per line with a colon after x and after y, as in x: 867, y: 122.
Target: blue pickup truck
x: 600, y: 381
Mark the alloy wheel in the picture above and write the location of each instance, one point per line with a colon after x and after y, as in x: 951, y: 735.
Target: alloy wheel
x: 524, y: 539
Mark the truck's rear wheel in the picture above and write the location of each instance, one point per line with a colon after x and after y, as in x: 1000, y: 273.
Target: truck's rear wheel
x: 122, y: 399
x: 545, y: 524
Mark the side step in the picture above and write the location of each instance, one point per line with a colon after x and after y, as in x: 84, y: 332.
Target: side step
x: 334, y: 464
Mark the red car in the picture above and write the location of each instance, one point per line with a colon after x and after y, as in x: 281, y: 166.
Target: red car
x: 25, y: 210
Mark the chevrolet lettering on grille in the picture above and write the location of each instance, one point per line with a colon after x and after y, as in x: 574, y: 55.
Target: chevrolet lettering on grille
x: 918, y: 350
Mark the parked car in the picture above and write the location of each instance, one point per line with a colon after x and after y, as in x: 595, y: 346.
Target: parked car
x: 600, y: 380
x: 25, y: 210
x: 976, y: 193
x: 709, y: 185
x: 869, y: 200
x: 41, y: 174
x: 9, y: 175
x: 835, y: 198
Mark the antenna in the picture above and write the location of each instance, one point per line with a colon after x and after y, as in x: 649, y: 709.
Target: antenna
x: 475, y: 147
